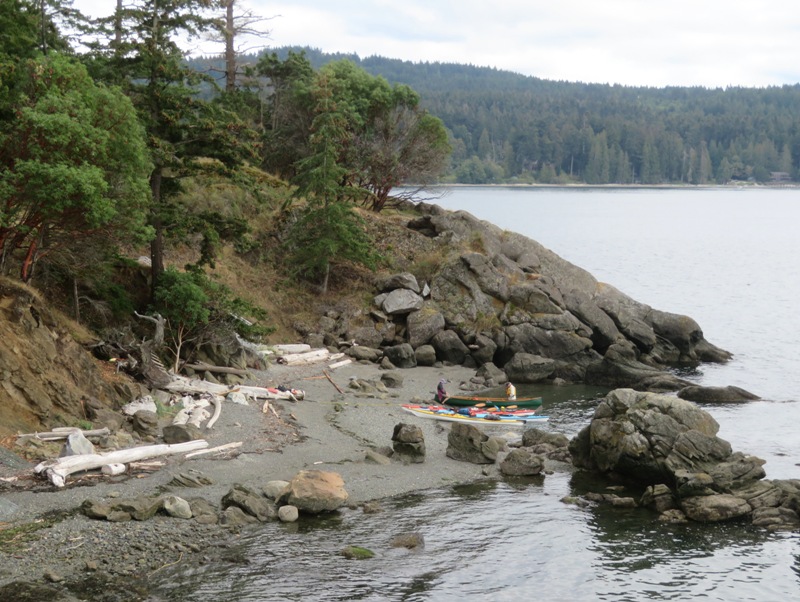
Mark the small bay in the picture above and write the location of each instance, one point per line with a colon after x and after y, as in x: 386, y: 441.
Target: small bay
x: 725, y: 257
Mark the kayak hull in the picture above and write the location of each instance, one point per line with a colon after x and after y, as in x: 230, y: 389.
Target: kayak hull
x: 498, y: 418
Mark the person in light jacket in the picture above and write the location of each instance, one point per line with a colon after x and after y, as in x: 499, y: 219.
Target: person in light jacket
x: 511, y: 392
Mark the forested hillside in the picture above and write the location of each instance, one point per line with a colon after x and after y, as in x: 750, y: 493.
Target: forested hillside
x: 509, y: 127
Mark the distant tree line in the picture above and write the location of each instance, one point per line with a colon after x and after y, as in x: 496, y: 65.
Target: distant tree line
x: 508, y: 127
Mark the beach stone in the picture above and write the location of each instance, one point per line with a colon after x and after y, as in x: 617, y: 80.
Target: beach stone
x: 392, y: 379
x: 659, y: 498
x: 177, y: 507
x: 521, y: 462
x: 533, y: 436
x: 145, y: 423
x: 250, y: 502
x: 493, y: 446
x: 361, y: 353
x: 374, y: 457
x: 386, y: 364
x: 288, y: 514
x: 190, y: 478
x: 408, y: 540
x: 203, y: 511
x: 274, y: 489
x: 315, y: 491
x: 408, y: 443
x: 233, y: 516
x: 180, y: 433
x: 465, y: 443
x: 77, y: 444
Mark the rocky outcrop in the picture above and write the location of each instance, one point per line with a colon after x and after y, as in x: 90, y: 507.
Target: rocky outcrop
x: 498, y: 297
x: 46, y: 378
x: 716, y: 394
x: 671, y: 445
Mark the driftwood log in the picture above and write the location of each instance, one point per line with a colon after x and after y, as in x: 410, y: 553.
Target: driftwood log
x: 64, y: 433
x: 309, y: 357
x: 181, y: 384
x: 59, y: 469
x: 203, y: 367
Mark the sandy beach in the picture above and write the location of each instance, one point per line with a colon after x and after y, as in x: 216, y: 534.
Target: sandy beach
x: 328, y: 430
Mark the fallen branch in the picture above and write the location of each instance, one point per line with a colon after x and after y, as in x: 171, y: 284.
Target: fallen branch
x: 217, y: 402
x: 58, y: 469
x: 212, y: 450
x: 328, y: 376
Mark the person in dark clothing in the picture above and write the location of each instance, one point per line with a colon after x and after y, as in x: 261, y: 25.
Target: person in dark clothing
x: 441, y: 392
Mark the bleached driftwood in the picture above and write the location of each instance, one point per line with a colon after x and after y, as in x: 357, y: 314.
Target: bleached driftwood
x: 309, y: 357
x: 64, y: 433
x: 291, y: 348
x: 339, y: 364
x: 58, y: 469
x: 182, y: 384
x: 212, y: 450
x: 217, y: 402
x: 219, y: 369
x: 113, y: 469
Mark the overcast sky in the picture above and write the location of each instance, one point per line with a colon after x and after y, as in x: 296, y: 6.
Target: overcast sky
x: 712, y: 43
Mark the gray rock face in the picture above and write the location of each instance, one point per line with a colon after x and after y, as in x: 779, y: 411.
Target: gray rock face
x: 527, y: 368
x: 503, y: 294
x: 662, y: 440
x: 369, y: 354
x: 145, y: 423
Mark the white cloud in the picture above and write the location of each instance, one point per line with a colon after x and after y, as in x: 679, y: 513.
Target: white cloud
x: 632, y: 42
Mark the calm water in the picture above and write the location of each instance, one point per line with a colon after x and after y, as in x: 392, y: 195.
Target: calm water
x: 725, y: 258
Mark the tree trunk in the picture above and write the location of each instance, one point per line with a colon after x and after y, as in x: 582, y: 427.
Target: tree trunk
x: 230, y: 53
x: 76, y: 301
x: 157, y: 244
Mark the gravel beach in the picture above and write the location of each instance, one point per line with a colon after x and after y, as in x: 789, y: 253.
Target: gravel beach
x: 327, y: 430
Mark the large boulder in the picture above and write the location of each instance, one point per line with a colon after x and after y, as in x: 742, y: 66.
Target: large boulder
x: 401, y: 356
x: 423, y: 325
x: 466, y: 443
x: 408, y: 443
x: 315, y: 491
x: 449, y: 347
x: 404, y: 280
x: 401, y: 301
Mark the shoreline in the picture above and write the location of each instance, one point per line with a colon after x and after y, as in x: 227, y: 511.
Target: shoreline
x: 334, y: 430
